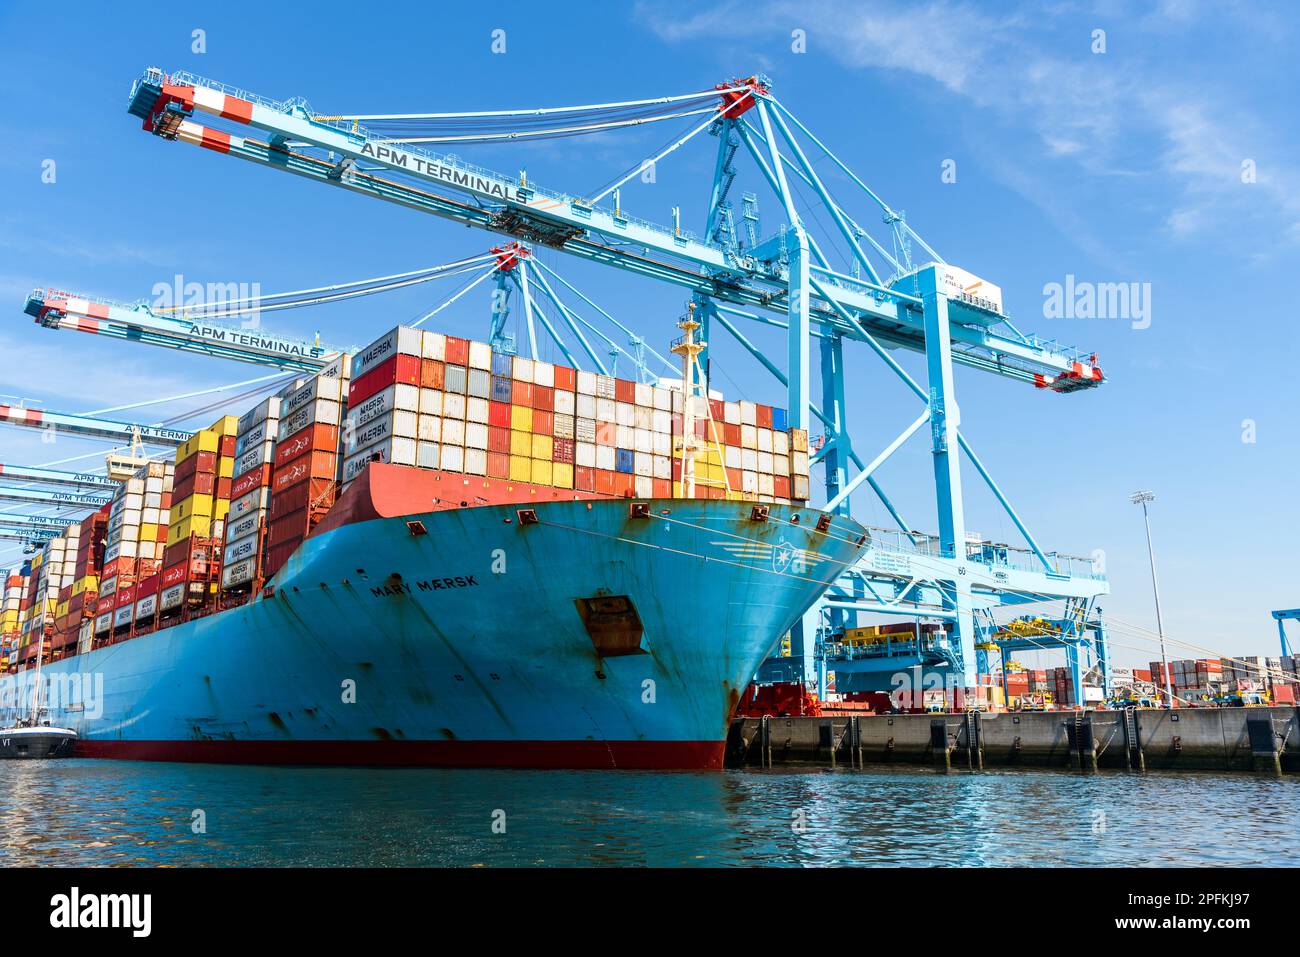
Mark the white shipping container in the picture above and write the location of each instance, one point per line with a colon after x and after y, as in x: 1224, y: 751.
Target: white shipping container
x: 427, y: 455
x: 521, y: 369
x: 255, y: 457
x: 453, y: 432
x: 480, y: 355
x: 662, y: 399
x: 266, y: 409
x: 405, y: 398
x: 453, y: 406
x: 565, y: 403
x: 605, y: 457
x: 238, y: 572
x: 586, y: 384
x: 429, y: 429
x: 122, y: 616
x: 146, y: 607
x: 237, y: 551
x: 393, y: 451
x: 476, y: 410
x: 374, y: 432
x: 452, y: 458
x: 663, y: 467
x: 321, y: 411
x: 584, y: 455
x: 433, y: 345
x: 103, y: 622
x: 584, y: 406
x: 475, y: 462
x: 403, y: 340
x: 171, y: 597
x: 476, y: 437
x: 255, y: 501
x: 245, y: 525
x: 430, y: 402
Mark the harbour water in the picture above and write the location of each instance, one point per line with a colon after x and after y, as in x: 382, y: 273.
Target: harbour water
x: 110, y: 813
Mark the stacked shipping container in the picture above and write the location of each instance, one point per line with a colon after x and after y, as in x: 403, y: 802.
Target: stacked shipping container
x: 133, y: 547
x: 439, y: 402
x: 250, y: 494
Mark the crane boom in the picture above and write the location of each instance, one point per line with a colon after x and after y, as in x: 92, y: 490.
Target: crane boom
x: 28, y: 496
x: 56, y: 309
x: 44, y: 476
x: 842, y: 303
x: 90, y: 427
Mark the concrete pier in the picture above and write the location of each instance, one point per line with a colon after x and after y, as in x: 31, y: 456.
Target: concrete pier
x: 1216, y: 739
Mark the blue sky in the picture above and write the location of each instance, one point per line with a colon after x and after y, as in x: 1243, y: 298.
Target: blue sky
x: 1122, y: 166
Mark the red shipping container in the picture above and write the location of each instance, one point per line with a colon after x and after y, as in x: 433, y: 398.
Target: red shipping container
x: 198, y: 462
x: 521, y: 393
x: 499, y: 414
x: 584, y: 479
x: 731, y: 434
x: 399, y: 369
x: 316, y: 465
x: 292, y: 528
x: 202, y: 483
x: 498, y: 463
x: 544, y: 398
x: 780, y: 486
x: 605, y: 481
x: 318, y: 437
x: 148, y: 586
x: 543, y: 422
x: 432, y: 374
x: 562, y: 451
x: 624, y: 483
x: 318, y: 494
x: 606, y: 433
x: 124, y: 596
x: 624, y: 391
x: 764, y: 416
x: 711, y: 492
x: 457, y: 351
x: 498, y: 440
x: 716, y: 410
x: 174, y: 574
x: 227, y: 446
x: 735, y: 480
x: 256, y: 478
x: 276, y: 556
x: 663, y: 488
x: 566, y: 380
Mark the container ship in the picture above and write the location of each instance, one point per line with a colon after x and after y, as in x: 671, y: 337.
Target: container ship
x: 432, y: 553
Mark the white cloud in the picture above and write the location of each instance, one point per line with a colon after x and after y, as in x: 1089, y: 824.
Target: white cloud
x: 1101, y: 112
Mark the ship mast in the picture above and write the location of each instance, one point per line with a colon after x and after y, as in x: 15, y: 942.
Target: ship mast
x: 688, y: 349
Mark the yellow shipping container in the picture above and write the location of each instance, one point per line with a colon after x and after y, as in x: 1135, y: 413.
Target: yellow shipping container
x: 195, y: 504
x: 61, y: 609
x: 200, y: 525
x: 543, y: 448
x: 521, y: 418
x: 148, y: 533
x: 226, y: 425
x: 89, y: 583
x: 562, y: 475
x: 521, y: 468
x: 225, y: 467
x: 542, y: 472
x: 203, y: 441
x: 220, y: 509
x: 521, y: 443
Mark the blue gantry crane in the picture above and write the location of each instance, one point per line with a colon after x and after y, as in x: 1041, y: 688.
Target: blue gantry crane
x: 845, y: 289
x: 1282, y: 616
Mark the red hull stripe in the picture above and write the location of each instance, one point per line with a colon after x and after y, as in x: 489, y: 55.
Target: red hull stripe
x: 652, y: 755
x: 216, y: 140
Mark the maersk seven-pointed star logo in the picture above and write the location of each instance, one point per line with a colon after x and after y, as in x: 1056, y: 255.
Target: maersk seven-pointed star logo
x: 783, y: 555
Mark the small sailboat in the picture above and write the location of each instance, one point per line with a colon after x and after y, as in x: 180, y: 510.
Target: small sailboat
x: 32, y: 735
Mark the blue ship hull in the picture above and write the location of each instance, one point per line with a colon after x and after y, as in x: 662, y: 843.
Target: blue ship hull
x: 464, y: 642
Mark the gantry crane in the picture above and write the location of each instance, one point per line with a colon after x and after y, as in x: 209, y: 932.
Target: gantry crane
x: 25, y: 496
x: 43, y: 476
x: 881, y: 299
